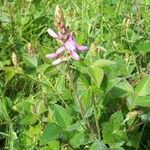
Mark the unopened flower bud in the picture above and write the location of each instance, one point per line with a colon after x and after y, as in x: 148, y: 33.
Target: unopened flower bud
x: 132, y: 115
x: 30, y: 49
x: 115, y: 44
x: 58, y: 13
x: 33, y: 109
x: 126, y: 57
x: 59, y: 21
x: 14, y: 59
x: 94, y: 49
x: 126, y: 22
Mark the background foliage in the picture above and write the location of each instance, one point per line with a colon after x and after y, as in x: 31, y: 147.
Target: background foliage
x: 39, y: 104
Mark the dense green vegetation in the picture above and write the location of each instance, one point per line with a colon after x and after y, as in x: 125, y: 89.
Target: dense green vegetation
x: 101, y: 101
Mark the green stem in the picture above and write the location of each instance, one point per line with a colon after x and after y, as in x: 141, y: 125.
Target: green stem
x: 5, y: 115
x: 96, y: 117
x: 50, y: 84
x: 118, y: 8
x: 101, y: 12
x: 82, y: 112
x: 140, y: 136
x: 4, y: 134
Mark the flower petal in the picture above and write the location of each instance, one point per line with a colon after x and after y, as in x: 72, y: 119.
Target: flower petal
x: 52, y: 33
x: 57, y: 61
x: 53, y: 55
x: 81, y: 48
x: 70, y: 44
x: 74, y: 55
x: 61, y: 49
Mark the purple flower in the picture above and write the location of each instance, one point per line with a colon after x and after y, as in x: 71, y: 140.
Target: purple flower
x: 69, y: 45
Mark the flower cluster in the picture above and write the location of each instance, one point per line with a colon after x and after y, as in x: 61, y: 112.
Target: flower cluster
x: 66, y: 40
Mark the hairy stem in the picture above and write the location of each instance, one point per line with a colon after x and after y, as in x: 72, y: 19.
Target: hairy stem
x: 82, y: 111
x: 96, y: 117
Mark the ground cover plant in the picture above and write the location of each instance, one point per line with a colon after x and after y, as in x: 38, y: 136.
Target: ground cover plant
x: 75, y: 75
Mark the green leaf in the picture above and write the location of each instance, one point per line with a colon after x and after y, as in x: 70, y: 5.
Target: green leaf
x: 30, y: 60
x: 78, y: 139
x: 35, y: 130
x: 81, y: 66
x: 133, y: 139
x: 114, y: 129
x: 62, y: 116
x: 144, y: 46
x: 117, y: 148
x: 42, y: 68
x: 40, y: 107
x: 10, y: 72
x: 60, y: 84
x: 51, y: 132
x: 116, y: 119
x: 143, y: 87
x: 28, y: 119
x: 119, y: 87
x: 119, y: 68
x: 4, y: 63
x: 67, y: 94
x: 102, y: 63
x: 142, y: 101
x: 78, y: 125
x: 92, y: 52
x: 52, y: 145
x: 5, y: 18
x: 96, y: 74
x: 97, y: 145
x: 145, y: 2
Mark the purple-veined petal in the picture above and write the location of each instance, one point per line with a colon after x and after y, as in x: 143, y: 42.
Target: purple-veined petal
x: 74, y: 55
x: 53, y: 55
x: 70, y: 44
x: 52, y: 33
x: 57, y: 61
x: 81, y: 48
x: 60, y: 50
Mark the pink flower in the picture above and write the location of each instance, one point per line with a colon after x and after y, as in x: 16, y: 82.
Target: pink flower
x: 57, y: 61
x: 53, y: 55
x: 69, y: 45
x: 52, y: 33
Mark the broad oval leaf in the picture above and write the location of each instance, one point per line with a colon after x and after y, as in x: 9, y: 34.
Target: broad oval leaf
x: 10, y: 72
x: 119, y: 87
x: 96, y: 74
x: 144, y: 47
x: 52, y: 145
x: 142, y: 101
x: 78, y: 139
x: 97, y: 145
x: 143, y: 87
x: 30, y: 60
x: 62, y: 116
x: 51, y: 132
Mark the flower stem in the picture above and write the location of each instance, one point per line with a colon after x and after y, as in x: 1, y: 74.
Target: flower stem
x: 82, y: 111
